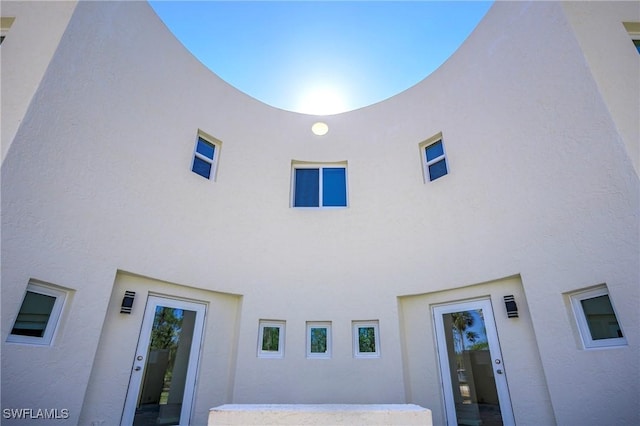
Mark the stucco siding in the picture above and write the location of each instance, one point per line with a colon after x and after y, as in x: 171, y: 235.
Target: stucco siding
x: 542, y: 187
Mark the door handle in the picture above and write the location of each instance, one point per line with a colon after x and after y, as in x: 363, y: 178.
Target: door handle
x: 138, y: 368
x: 499, y: 371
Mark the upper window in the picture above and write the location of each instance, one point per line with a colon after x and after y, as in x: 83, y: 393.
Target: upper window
x: 206, y: 156
x: 38, y: 317
x: 633, y: 28
x: 319, y: 185
x: 271, y: 339
x: 318, y: 340
x: 366, y: 342
x: 5, y: 24
x: 433, y: 158
x: 596, y: 318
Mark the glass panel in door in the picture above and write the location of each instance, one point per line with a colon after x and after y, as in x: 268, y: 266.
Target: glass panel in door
x: 165, y: 371
x: 475, y: 384
x: 163, y: 376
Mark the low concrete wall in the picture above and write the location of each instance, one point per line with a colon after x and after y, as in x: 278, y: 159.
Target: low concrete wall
x: 320, y: 414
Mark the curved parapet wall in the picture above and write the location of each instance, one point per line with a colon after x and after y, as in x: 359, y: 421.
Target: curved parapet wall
x: 540, y: 200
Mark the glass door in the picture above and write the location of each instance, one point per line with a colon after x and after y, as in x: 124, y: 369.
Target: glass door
x: 473, y: 374
x: 164, y: 369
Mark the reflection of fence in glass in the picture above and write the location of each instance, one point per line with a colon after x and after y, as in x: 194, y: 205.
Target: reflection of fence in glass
x: 319, y: 340
x: 367, y: 339
x: 270, y: 338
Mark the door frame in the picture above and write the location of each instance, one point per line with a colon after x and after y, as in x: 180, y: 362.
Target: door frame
x: 494, y: 350
x: 144, y: 340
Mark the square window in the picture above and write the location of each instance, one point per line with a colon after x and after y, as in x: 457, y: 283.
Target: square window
x: 633, y: 28
x: 205, y: 156
x: 271, y: 339
x: 318, y: 340
x: 319, y: 185
x: 366, y: 340
x: 38, y: 317
x: 434, y: 161
x: 5, y: 25
x: 596, y: 318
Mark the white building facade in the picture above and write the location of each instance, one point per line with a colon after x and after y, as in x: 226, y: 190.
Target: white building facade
x: 470, y: 245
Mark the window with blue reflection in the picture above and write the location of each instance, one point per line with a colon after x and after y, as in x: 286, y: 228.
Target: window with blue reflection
x: 320, y: 187
x: 205, y: 148
x: 437, y: 169
x: 434, y: 151
x: 204, y: 158
x: 334, y: 187
x: 201, y: 167
x: 307, y: 188
x: 436, y: 163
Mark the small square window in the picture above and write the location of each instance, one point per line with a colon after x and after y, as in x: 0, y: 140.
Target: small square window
x: 596, y: 318
x: 434, y: 161
x: 38, y: 317
x: 319, y: 185
x: 366, y: 340
x: 206, y: 156
x: 271, y: 339
x: 318, y: 340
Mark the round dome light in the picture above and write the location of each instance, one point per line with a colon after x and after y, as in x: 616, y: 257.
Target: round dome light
x: 320, y: 128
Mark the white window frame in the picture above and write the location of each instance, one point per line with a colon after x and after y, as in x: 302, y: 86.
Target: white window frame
x: 311, y: 165
x: 274, y: 324
x: 426, y: 163
x: 356, y: 338
x: 319, y: 324
x: 54, y: 317
x: 212, y: 161
x: 583, y: 325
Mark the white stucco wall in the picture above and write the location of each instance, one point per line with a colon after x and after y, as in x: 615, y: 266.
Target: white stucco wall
x: 541, y: 186
x: 606, y: 46
x: 26, y: 52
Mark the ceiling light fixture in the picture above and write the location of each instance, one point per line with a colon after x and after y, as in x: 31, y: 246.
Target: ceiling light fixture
x: 320, y: 128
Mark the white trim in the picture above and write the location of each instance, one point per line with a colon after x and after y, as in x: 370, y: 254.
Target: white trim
x: 319, y: 324
x: 272, y: 324
x: 319, y: 166
x: 356, y: 325
x: 583, y: 325
x: 54, y: 316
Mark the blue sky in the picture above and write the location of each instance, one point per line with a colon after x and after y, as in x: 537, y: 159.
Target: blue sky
x: 321, y: 57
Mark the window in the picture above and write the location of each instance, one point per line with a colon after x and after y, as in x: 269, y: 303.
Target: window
x: 5, y: 24
x: 318, y: 340
x: 323, y: 185
x: 206, y: 156
x: 433, y: 158
x: 633, y: 28
x: 366, y: 341
x: 38, y: 317
x: 271, y: 339
x: 596, y: 318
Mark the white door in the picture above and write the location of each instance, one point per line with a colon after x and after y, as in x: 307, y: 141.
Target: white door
x: 164, y: 370
x: 473, y: 375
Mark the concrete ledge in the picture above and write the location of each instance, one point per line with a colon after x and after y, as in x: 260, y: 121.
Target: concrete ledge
x: 320, y: 414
